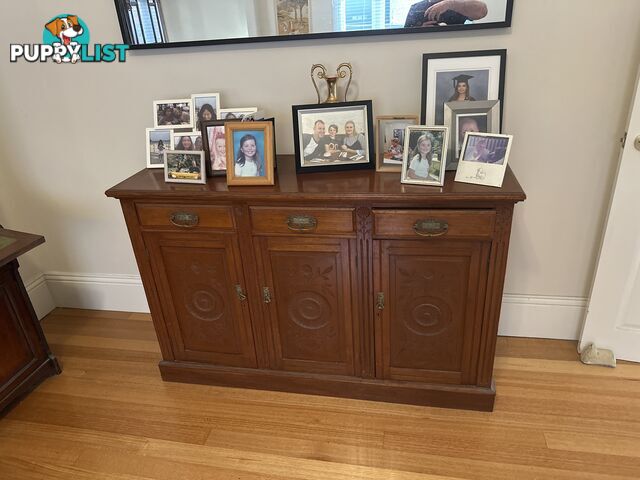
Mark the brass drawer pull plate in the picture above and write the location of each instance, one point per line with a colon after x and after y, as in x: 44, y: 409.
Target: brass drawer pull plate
x: 302, y: 223
x: 184, y: 219
x: 431, y: 228
x: 266, y: 295
x: 380, y: 301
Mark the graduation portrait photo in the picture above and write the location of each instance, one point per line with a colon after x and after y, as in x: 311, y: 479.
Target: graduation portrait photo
x: 460, y: 77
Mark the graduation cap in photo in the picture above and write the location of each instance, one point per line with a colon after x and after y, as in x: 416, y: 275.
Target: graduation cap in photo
x: 461, y: 78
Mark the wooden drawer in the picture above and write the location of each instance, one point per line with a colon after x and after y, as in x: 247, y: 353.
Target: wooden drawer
x: 434, y: 223
x: 302, y: 220
x: 185, y: 216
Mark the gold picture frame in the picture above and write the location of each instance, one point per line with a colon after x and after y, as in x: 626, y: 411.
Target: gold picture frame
x: 250, y: 153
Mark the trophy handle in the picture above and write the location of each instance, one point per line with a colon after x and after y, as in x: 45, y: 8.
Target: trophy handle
x: 321, y: 74
x: 341, y: 73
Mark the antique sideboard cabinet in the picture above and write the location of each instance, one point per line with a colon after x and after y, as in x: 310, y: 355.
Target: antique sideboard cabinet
x: 346, y: 284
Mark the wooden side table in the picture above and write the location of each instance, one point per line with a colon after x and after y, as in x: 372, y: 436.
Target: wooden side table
x: 25, y: 357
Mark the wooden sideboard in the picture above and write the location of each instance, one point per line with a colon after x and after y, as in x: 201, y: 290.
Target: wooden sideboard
x: 346, y: 284
x: 25, y: 358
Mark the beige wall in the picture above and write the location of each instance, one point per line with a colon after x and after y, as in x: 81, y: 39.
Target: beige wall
x: 67, y: 133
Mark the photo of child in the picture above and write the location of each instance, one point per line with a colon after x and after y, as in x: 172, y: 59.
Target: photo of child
x: 248, y: 148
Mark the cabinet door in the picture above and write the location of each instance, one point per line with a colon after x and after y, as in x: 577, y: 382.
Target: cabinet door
x: 428, y: 324
x: 20, y: 349
x: 310, y: 309
x: 201, y: 288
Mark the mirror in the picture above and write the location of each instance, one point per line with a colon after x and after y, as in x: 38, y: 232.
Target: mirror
x: 172, y: 23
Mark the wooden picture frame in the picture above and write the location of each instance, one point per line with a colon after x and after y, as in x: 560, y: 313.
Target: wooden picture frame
x: 247, y: 171
x: 329, y: 155
x: 387, y: 150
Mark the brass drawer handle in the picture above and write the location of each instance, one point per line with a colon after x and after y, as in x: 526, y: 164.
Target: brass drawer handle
x: 240, y: 293
x: 430, y: 227
x: 380, y: 301
x: 184, y: 219
x: 302, y: 223
x: 266, y: 294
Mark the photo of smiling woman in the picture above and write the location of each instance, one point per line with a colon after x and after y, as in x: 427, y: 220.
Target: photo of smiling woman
x: 424, y: 156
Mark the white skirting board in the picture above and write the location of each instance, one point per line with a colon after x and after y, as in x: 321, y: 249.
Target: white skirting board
x: 522, y: 315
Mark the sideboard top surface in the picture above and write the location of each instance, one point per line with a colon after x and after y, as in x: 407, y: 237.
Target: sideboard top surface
x: 346, y: 185
x: 13, y: 244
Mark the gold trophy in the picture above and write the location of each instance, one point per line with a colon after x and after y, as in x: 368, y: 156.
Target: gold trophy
x: 332, y: 82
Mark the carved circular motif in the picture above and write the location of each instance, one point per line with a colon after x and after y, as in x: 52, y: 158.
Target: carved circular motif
x: 429, y: 316
x: 309, y: 310
x: 205, y: 304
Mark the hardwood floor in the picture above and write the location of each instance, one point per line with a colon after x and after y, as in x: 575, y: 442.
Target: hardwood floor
x: 109, y: 416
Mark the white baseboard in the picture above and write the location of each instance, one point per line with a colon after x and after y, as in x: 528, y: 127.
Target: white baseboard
x: 123, y: 293
x: 40, y: 296
x: 522, y: 315
x: 537, y: 316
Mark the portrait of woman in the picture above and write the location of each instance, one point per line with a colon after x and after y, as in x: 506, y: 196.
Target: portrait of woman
x: 424, y: 157
x: 248, y: 161
x: 205, y: 114
x: 184, y: 143
x: 461, y: 91
x: 354, y: 143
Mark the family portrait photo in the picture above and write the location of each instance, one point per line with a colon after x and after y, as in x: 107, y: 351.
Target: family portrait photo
x: 484, y: 157
x: 250, y: 155
x: 206, y: 106
x: 184, y: 167
x: 235, y: 113
x: 460, y: 77
x: 390, y: 143
x: 425, y: 155
x: 188, y: 141
x: 215, y: 147
x: 173, y: 113
x: 157, y: 142
x: 333, y: 136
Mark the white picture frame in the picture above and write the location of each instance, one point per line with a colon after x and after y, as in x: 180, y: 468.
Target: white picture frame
x: 197, y: 102
x: 171, y: 157
x: 484, y: 158
x: 164, y: 134
x: 157, y: 118
x: 238, y: 113
x: 194, y: 135
x: 434, y: 170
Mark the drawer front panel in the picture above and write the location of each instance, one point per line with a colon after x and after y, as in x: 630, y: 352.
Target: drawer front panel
x: 434, y: 223
x: 185, y: 217
x: 291, y: 220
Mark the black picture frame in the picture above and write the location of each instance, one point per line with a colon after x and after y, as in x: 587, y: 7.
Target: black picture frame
x: 370, y: 164
x: 429, y: 57
x: 127, y: 34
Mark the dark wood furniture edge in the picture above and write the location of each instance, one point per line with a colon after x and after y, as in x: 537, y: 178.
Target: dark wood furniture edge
x: 24, y: 243
x: 463, y: 397
x: 48, y: 369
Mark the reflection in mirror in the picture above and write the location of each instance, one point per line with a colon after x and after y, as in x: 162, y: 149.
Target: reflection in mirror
x: 153, y: 22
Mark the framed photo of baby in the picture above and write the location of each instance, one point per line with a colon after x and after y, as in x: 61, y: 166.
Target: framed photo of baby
x: 460, y: 77
x: 425, y: 155
x: 333, y: 137
x: 483, y: 160
x: 250, y: 153
x: 390, y: 141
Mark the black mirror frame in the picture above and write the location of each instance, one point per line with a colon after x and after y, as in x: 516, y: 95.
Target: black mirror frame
x: 126, y: 36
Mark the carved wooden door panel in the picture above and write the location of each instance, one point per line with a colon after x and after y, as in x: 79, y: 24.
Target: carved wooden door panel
x: 430, y: 300
x: 308, y: 303
x: 201, y: 287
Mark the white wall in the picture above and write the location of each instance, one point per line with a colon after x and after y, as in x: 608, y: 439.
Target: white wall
x: 67, y: 133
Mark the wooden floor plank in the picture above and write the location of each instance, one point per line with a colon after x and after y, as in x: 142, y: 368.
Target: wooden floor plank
x: 110, y: 416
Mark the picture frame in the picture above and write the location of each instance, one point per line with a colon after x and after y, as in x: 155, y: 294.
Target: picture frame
x: 215, y: 151
x: 390, y: 130
x: 463, y: 117
x: 484, y: 158
x: 425, y: 155
x: 196, y: 141
x: 251, y: 152
x: 158, y: 140
x: 163, y: 118
x: 184, y: 166
x: 236, y: 113
x: 205, y: 107
x: 351, y: 147
x: 445, y: 75
x: 296, y: 24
